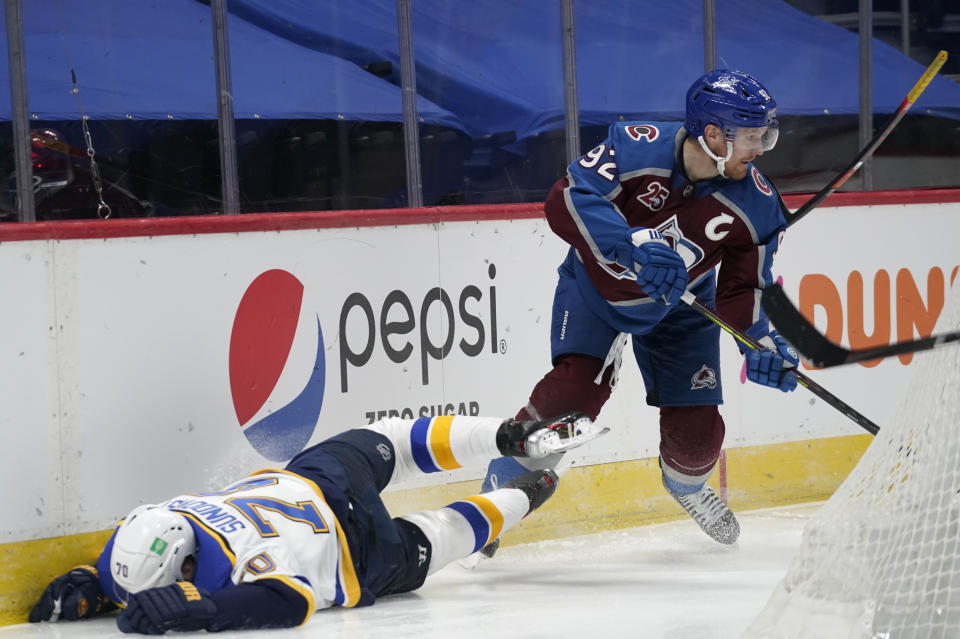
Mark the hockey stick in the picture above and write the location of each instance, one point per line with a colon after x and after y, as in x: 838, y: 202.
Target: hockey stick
x: 802, y: 379
x: 819, y: 350
x: 868, y: 150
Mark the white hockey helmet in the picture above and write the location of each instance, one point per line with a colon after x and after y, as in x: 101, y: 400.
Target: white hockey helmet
x: 149, y: 549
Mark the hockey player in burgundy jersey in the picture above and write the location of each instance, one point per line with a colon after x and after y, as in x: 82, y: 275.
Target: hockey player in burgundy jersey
x: 270, y: 549
x: 648, y: 214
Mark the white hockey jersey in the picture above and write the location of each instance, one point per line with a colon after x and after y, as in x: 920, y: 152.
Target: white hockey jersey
x: 271, y: 525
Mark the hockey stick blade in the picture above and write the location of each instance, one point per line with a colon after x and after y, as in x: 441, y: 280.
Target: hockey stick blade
x: 820, y: 351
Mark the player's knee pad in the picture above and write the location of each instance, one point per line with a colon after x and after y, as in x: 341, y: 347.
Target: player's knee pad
x: 569, y: 386
x: 418, y: 556
x: 691, y: 438
x: 465, y: 526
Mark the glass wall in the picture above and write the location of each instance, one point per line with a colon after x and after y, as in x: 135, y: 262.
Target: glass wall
x: 8, y: 207
x: 318, y: 106
x: 505, y: 84
x: 924, y: 149
x: 112, y: 133
x: 317, y: 97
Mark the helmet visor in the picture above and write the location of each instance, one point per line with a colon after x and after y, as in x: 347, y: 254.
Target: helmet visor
x: 755, y: 139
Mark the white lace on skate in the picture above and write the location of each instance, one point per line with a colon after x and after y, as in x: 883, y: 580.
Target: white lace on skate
x: 562, y: 436
x: 711, y: 514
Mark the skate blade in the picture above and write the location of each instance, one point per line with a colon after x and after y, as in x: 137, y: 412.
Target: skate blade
x: 471, y: 562
x: 556, y: 445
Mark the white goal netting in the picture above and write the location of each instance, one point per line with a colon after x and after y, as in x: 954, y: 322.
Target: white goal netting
x: 881, y: 559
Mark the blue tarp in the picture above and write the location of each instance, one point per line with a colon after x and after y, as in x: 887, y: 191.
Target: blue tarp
x: 497, y: 64
x: 490, y: 65
x: 149, y: 59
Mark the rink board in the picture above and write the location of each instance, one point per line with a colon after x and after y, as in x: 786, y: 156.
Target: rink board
x: 124, y: 346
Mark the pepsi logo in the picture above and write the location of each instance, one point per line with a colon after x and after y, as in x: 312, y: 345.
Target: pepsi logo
x: 277, y: 399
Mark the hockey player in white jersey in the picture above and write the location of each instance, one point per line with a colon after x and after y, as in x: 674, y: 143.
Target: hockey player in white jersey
x: 269, y: 550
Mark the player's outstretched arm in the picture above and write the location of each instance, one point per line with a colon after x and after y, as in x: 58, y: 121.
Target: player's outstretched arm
x: 267, y: 603
x: 72, y: 596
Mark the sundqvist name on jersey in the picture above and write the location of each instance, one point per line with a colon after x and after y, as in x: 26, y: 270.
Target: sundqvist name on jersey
x: 212, y: 514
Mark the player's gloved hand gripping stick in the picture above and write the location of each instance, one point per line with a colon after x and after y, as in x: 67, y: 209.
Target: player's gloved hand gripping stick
x: 660, y: 271
x: 773, y: 364
x: 748, y: 342
x: 802, y: 379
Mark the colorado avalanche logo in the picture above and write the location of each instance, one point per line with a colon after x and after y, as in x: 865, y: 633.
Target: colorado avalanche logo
x: 691, y: 253
x: 706, y: 377
x: 760, y: 182
x: 260, y: 344
x: 643, y: 131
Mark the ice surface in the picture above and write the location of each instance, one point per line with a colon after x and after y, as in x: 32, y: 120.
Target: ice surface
x: 668, y: 580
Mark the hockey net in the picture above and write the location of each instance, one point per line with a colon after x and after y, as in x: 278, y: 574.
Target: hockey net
x: 881, y: 558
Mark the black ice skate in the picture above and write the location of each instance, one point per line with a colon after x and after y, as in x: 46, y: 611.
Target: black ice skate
x: 711, y: 514
x: 539, y: 485
x: 490, y: 549
x: 538, y: 439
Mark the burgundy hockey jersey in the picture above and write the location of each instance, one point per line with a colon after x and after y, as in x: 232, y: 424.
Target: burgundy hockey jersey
x: 634, y: 179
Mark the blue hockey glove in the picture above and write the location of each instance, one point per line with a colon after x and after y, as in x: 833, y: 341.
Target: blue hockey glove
x: 771, y: 366
x: 180, y: 606
x: 75, y: 595
x: 661, y: 272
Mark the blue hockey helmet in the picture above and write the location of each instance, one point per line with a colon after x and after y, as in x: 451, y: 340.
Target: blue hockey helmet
x: 731, y: 100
